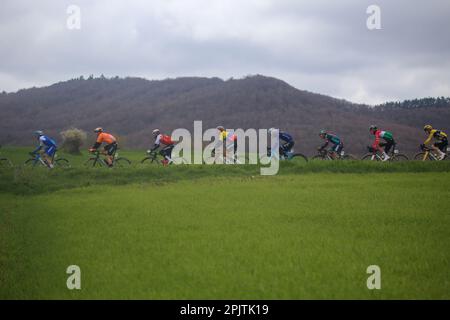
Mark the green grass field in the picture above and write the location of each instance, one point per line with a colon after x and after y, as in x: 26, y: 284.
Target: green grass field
x: 224, y: 232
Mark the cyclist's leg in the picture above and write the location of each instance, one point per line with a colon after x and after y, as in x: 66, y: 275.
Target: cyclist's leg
x: 388, y: 146
x: 382, y: 149
x: 441, y: 148
x: 110, y: 150
x: 48, y: 155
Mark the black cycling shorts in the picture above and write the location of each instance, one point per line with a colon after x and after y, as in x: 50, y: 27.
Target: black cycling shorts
x: 442, y: 145
x: 338, y: 148
x: 111, y: 149
x: 387, y: 145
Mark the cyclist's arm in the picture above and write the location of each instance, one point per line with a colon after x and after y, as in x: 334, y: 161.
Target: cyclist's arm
x: 96, y: 145
x: 430, y: 137
x: 40, y: 146
x: 325, y: 145
x: 37, y: 149
x: 157, y: 143
x: 376, y: 143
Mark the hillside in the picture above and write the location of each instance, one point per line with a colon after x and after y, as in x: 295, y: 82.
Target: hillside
x: 132, y: 107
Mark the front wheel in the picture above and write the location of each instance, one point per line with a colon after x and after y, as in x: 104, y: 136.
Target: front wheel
x: 31, y: 163
x: 319, y: 157
x: 399, y: 157
x: 93, y: 162
x: 299, y: 158
x: 122, y: 162
x: 420, y: 157
x: 62, y: 163
x: 5, y: 163
x: 150, y: 160
x: 349, y: 157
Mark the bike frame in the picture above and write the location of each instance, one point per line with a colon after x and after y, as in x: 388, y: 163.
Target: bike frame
x: 101, y: 160
x: 38, y: 158
x: 429, y: 153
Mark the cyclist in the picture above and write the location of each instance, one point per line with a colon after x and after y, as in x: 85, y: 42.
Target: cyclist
x: 286, y: 142
x: 440, y: 140
x: 229, y: 140
x: 388, y: 143
x: 337, y: 143
x: 49, y: 146
x: 166, y: 150
x: 110, y: 144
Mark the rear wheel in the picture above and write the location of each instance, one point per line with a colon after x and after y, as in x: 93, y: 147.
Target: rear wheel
x: 419, y: 157
x: 368, y: 157
x: 62, y: 163
x: 5, y: 163
x: 122, y: 162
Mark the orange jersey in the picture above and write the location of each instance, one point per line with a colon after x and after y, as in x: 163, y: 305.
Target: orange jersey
x: 106, y: 138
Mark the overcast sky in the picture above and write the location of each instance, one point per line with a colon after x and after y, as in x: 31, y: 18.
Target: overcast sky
x: 316, y: 45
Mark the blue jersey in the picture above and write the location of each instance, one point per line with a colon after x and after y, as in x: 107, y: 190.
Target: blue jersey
x: 286, y: 137
x: 333, y: 139
x: 46, y: 141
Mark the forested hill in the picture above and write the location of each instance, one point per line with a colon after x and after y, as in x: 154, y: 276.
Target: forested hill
x: 132, y: 107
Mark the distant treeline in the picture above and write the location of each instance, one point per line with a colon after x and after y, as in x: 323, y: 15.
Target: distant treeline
x: 440, y: 102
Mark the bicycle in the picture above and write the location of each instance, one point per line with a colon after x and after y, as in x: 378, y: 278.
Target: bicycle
x: 327, y: 155
x: 285, y: 156
x: 97, y: 161
x: 154, y: 157
x: 394, y: 155
x: 37, y: 160
x: 5, y: 162
x: 427, y: 154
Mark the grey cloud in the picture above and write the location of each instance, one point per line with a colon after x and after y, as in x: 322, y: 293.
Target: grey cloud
x: 316, y: 45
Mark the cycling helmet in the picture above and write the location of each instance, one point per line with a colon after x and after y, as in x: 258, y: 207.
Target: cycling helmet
x: 38, y: 133
x: 373, y: 127
x: 322, y: 132
x: 99, y: 129
x: 155, y: 132
x: 427, y: 128
x: 220, y: 128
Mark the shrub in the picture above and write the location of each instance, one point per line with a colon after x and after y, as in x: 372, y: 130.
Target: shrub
x: 73, y: 139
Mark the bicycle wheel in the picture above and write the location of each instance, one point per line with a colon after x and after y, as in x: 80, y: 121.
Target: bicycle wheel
x: 62, y: 163
x: 299, y: 158
x: 420, y: 155
x: 349, y: 157
x: 368, y: 157
x: 399, y: 157
x: 319, y: 157
x: 5, y: 163
x: 150, y: 160
x: 31, y: 163
x: 122, y: 162
x: 93, y: 162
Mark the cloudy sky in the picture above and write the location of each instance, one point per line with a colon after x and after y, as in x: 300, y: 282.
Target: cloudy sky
x: 316, y: 45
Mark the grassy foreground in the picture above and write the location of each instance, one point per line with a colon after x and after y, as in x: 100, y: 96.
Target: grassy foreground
x: 228, y: 234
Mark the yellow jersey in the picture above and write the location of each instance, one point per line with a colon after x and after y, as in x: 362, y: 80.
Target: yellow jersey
x: 437, y: 135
